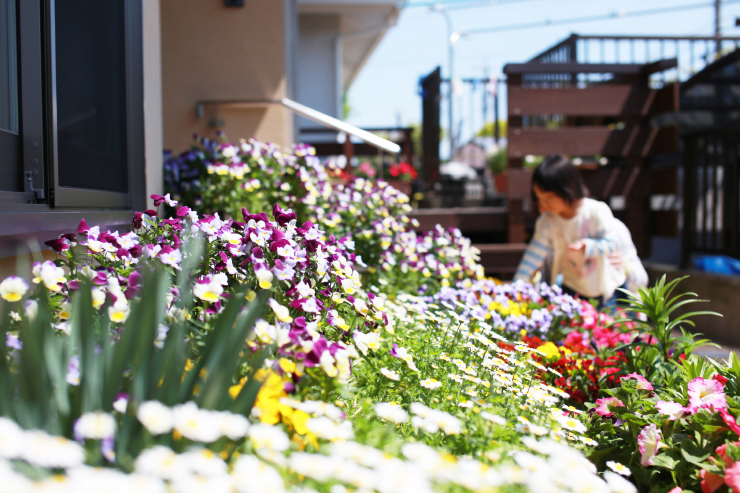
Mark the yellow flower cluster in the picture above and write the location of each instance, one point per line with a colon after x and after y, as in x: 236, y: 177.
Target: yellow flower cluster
x: 552, y: 351
x: 510, y: 308
x: 268, y: 404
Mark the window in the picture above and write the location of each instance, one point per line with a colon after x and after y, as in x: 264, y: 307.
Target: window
x: 71, y: 105
x: 10, y: 142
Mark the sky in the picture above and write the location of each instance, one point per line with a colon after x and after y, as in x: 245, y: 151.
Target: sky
x: 385, y: 92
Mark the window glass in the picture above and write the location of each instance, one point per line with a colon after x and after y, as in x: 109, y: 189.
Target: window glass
x: 91, y: 94
x: 11, y: 171
x: 8, y: 67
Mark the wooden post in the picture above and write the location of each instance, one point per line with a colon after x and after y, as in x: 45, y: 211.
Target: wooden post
x: 348, y: 149
x: 430, y: 127
x: 515, y: 160
x: 408, y: 146
x: 638, y: 214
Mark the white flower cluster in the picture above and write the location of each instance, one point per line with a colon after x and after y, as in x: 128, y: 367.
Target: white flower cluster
x: 564, y: 470
x: 37, y: 447
x: 315, y: 408
x: 433, y: 420
x: 391, y: 412
x: 361, y: 467
x: 80, y: 479
x: 198, y: 425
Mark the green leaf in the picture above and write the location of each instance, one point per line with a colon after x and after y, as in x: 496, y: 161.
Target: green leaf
x: 680, y: 437
x: 668, y: 460
x: 692, y: 453
x: 227, y: 342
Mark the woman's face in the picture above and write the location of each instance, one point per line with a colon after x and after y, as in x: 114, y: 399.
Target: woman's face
x: 549, y: 202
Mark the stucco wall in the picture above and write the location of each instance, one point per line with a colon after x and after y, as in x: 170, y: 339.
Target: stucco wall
x: 212, y: 52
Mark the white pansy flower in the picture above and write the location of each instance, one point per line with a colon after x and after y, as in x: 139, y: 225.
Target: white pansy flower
x: 196, y: 424
x: 51, y: 275
x: 390, y: 374
x: 96, y: 425
x: 160, y: 462
x: 13, y: 288
x: 11, y: 439
x: 269, y: 437
x: 233, y: 426
x: 251, y: 475
x: 156, y: 417
x: 119, y: 311
x: 281, y: 312
x: 209, y: 290
x: 365, y: 342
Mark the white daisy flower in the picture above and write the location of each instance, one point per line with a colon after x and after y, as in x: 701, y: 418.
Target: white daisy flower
x: 618, y: 468
x: 390, y: 374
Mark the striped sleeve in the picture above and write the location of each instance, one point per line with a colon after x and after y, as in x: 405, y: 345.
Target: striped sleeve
x: 536, y: 253
x: 606, y: 239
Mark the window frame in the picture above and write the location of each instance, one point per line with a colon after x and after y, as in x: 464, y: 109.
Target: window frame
x: 45, y: 209
x: 83, y: 197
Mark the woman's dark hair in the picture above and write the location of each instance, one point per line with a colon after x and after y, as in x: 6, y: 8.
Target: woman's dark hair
x: 556, y: 174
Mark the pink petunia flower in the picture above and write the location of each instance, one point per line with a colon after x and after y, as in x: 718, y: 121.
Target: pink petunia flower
x: 649, y: 442
x: 602, y: 405
x: 710, y: 482
x: 706, y: 394
x: 732, y: 476
x: 589, y: 315
x: 730, y: 421
x: 677, y: 489
x: 642, y: 383
x: 672, y: 409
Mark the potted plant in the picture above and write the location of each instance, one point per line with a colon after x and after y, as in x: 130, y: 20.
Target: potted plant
x: 402, y: 175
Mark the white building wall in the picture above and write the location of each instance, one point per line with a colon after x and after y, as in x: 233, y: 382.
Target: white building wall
x: 317, y: 75
x: 153, y: 144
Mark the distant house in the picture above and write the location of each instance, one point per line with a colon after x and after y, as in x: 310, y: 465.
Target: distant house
x: 475, y: 151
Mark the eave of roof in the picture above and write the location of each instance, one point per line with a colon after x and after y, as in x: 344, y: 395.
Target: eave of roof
x: 363, y: 23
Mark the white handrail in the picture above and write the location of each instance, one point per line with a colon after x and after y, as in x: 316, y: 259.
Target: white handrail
x: 340, y: 126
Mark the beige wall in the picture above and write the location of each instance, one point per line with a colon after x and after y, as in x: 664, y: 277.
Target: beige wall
x: 20, y: 265
x: 211, y: 52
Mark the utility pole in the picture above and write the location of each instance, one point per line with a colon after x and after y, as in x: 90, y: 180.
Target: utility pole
x: 450, y: 68
x: 717, y: 25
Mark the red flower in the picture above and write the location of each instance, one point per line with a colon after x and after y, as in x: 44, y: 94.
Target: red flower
x: 403, y: 169
x: 719, y: 378
x: 710, y: 482
x: 730, y: 421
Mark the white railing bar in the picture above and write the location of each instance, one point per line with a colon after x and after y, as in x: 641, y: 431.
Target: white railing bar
x: 306, y: 112
x: 340, y: 126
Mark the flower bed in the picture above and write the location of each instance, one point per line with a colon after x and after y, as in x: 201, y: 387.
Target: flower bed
x: 244, y: 351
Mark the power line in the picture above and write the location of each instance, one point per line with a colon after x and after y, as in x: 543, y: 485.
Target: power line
x: 456, y: 4
x: 592, y: 18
